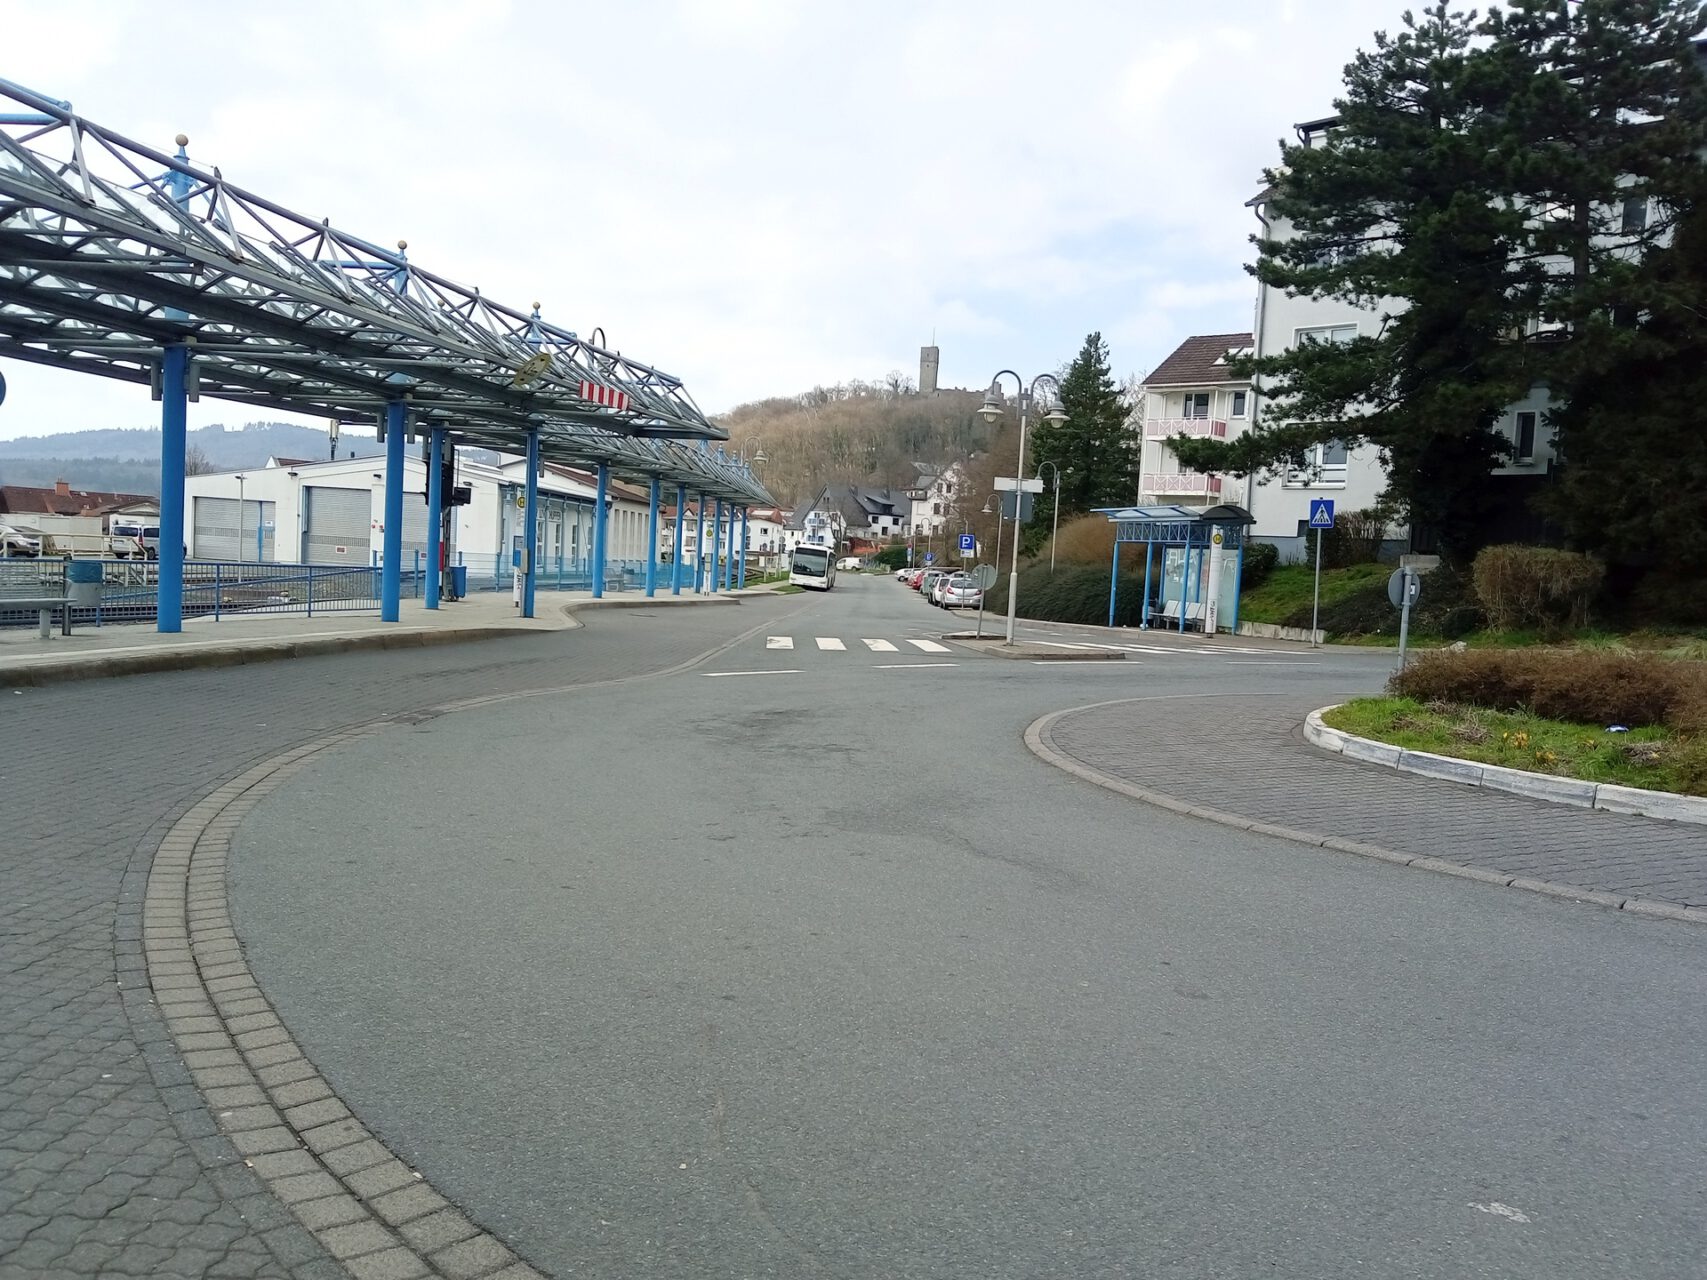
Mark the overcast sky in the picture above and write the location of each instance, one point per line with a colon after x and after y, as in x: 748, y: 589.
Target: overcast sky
x: 755, y: 195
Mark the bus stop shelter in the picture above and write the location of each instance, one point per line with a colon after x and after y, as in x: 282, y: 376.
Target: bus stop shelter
x: 1198, y: 572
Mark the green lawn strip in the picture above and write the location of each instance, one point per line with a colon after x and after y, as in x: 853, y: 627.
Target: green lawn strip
x: 1291, y: 587
x: 787, y: 589
x: 1643, y: 757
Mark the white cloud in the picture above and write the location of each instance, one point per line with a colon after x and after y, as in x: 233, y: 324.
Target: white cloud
x: 753, y: 194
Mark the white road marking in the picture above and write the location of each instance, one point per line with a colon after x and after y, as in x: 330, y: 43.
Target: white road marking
x: 792, y: 671
x: 913, y: 666
x: 1059, y: 644
x: 879, y: 646
x: 930, y: 646
x: 779, y: 642
x: 1501, y: 1210
x: 830, y: 642
x: 1261, y: 663
x: 1084, y: 666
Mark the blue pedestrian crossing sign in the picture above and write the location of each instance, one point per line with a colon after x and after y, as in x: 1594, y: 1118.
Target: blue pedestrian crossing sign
x: 1321, y: 513
x: 968, y: 544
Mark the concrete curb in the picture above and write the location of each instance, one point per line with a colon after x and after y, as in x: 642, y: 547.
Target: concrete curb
x: 1041, y: 744
x: 199, y: 657
x: 368, y: 1209
x: 1272, y: 631
x: 1521, y: 782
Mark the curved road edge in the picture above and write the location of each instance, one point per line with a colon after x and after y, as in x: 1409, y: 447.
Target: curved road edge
x: 1039, y: 739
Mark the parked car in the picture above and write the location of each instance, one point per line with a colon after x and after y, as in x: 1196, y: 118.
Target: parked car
x: 929, y: 580
x: 903, y: 573
x: 961, y: 592
x: 15, y: 542
x: 914, y: 578
x: 934, y: 595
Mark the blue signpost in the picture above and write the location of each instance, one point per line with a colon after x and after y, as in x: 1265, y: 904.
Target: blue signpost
x: 1321, y: 517
x: 968, y: 545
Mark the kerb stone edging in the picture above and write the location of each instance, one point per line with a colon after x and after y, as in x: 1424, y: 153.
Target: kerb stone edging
x: 1041, y: 744
x: 1537, y: 786
x: 369, y: 1210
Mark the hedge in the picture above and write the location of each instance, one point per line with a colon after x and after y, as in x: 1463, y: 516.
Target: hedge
x: 1583, y: 686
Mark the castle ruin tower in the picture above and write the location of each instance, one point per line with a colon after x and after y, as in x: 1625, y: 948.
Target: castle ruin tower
x: 929, y: 358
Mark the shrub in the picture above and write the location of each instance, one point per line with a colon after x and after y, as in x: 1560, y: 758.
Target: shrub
x: 1585, y: 686
x: 1356, y: 538
x: 1537, y: 587
x: 1446, y: 607
x: 892, y: 558
x: 1083, y: 540
x: 1261, y: 559
x: 1076, y: 594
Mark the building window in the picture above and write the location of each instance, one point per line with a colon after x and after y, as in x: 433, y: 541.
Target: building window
x: 1635, y: 214
x: 1332, y: 333
x: 1525, y: 437
x: 936, y: 508
x: 1324, y: 467
x: 1238, y: 404
x: 1196, y: 405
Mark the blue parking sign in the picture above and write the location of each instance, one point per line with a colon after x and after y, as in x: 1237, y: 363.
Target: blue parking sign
x: 968, y: 544
x: 930, y: 557
x: 1321, y: 513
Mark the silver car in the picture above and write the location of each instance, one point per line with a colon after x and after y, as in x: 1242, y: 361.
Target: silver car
x: 960, y: 592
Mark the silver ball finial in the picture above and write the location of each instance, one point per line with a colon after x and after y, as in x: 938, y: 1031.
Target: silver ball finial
x: 183, y: 139
x: 536, y: 305
x: 402, y: 244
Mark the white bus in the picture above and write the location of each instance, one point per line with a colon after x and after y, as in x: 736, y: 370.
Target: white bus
x: 813, y: 567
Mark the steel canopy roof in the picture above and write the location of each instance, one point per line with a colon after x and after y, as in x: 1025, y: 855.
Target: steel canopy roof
x: 110, y: 251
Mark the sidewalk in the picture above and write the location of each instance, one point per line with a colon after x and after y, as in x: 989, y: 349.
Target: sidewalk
x: 1243, y: 761
x: 129, y: 648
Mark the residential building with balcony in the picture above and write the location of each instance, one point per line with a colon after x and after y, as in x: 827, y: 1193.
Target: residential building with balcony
x: 935, y: 497
x: 1193, y: 393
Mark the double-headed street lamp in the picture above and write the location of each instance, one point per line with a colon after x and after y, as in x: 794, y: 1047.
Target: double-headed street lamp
x: 1053, y: 413
x: 1055, y: 511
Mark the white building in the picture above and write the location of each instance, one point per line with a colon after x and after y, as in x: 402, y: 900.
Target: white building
x: 819, y: 523
x: 1193, y: 393
x: 934, y: 496
x: 333, y: 513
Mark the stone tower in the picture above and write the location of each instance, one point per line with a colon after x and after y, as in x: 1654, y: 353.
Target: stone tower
x: 929, y: 357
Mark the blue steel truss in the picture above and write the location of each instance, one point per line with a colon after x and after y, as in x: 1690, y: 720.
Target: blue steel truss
x: 111, y: 252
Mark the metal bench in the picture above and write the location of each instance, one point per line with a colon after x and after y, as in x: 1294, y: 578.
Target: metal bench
x: 44, y: 605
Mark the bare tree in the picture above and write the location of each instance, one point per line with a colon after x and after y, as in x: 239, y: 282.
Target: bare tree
x: 196, y: 462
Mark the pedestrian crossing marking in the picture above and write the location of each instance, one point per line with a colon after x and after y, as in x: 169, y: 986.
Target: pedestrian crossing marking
x: 930, y: 646
x: 879, y: 646
x: 779, y: 642
x: 830, y: 642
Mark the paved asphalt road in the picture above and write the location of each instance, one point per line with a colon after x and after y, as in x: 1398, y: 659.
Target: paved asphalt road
x: 797, y: 963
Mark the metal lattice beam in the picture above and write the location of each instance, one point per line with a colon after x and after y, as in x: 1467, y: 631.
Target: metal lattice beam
x: 111, y: 251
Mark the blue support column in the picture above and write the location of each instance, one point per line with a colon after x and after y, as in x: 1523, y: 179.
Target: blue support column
x: 391, y: 576
x: 729, y: 558
x: 530, y: 525
x: 1144, y: 613
x: 743, y: 549
x: 699, y: 549
x: 681, y: 539
x: 1185, y: 589
x: 652, y: 540
x: 174, y: 414
x: 601, y: 519
x: 716, y: 546
x: 1114, y: 582
x: 435, y: 515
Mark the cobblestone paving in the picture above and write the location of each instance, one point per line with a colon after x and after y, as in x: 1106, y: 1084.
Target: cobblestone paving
x: 1247, y: 756
x: 110, y: 1164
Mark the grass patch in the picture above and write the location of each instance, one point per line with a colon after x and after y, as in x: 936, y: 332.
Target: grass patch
x: 787, y: 589
x: 1652, y: 758
x: 1291, y: 587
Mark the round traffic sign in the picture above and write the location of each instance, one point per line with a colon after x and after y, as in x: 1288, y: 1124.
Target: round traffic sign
x: 985, y: 576
x: 1396, y: 587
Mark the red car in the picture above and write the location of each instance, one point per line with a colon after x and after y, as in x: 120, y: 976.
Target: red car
x: 916, y: 578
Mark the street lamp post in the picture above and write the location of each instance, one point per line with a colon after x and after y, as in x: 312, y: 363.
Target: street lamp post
x: 990, y: 411
x: 1055, y: 513
x: 981, y: 591
x: 239, y: 517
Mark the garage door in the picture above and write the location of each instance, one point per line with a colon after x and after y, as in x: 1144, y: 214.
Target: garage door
x: 224, y: 529
x: 414, y: 529
x: 337, y: 524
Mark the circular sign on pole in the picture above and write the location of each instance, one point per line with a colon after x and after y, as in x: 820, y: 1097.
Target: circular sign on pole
x: 985, y: 576
x: 522, y: 501
x: 1396, y: 587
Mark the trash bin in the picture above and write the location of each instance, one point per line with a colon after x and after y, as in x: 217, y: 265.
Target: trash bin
x: 459, y: 580
x: 83, y: 583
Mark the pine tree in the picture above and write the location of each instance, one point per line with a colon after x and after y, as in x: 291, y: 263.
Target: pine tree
x: 1094, y: 447
x: 1400, y: 204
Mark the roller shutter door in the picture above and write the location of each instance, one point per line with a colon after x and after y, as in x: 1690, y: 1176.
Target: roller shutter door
x: 214, y: 529
x: 338, y: 524
x: 415, y: 524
